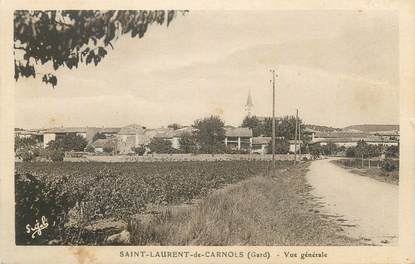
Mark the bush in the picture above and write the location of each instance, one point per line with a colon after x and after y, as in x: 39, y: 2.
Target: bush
x: 90, y: 149
x: 139, y: 150
x: 35, y: 199
x: 217, y: 148
x: 98, y: 136
x: 108, y: 149
x: 26, y: 148
x: 161, y: 146
x: 390, y: 165
x: 392, y: 152
x: 70, y: 142
x: 56, y: 155
x: 282, y: 146
x: 188, y: 143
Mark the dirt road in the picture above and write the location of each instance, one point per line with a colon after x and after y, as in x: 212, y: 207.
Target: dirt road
x: 366, y: 208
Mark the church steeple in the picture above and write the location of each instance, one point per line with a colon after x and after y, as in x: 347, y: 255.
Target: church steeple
x: 249, y: 105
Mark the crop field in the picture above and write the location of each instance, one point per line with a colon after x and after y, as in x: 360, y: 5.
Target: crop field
x: 97, y: 191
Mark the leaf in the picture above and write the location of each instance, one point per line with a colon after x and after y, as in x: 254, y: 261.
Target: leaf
x: 89, y: 58
x: 170, y: 15
x: 102, y: 52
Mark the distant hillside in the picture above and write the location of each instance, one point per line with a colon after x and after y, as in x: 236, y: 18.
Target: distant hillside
x: 322, y: 128
x: 372, y: 128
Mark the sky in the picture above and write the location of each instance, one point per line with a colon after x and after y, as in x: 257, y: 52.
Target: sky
x: 338, y: 68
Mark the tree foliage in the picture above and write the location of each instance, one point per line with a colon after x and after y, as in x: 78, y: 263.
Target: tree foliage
x: 253, y: 123
x: 26, y: 148
x: 284, y: 127
x: 188, y: 143
x: 210, y: 134
x: 69, y: 142
x: 392, y: 152
x: 98, y: 136
x: 282, y: 146
x: 69, y: 38
x: 160, y: 145
x: 140, y: 150
x: 362, y: 149
x: 35, y: 199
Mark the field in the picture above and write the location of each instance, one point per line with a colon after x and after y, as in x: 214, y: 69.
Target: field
x: 172, y: 203
x: 94, y: 192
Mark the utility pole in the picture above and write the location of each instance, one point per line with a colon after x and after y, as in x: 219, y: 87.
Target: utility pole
x: 299, y: 136
x: 295, y: 137
x: 273, y: 122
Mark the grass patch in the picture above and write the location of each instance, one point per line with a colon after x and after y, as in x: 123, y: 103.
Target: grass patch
x: 257, y: 211
x: 374, y: 172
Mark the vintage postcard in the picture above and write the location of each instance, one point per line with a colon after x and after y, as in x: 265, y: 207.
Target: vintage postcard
x: 266, y: 132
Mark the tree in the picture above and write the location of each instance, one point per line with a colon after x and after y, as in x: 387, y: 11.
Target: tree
x: 253, y: 123
x: 160, y: 145
x: 98, y: 136
x: 188, y: 143
x: 362, y: 149
x: 392, y: 152
x: 69, y: 38
x: 330, y: 149
x: 26, y: 148
x: 284, y: 127
x: 108, y: 149
x: 140, y: 150
x: 315, y: 150
x: 210, y: 134
x: 69, y: 142
x: 90, y: 149
x: 282, y: 146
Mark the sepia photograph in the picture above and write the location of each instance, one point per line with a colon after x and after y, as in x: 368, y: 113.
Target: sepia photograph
x: 206, y: 127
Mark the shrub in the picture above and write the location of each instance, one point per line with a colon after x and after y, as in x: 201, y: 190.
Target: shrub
x: 188, y: 143
x: 98, y: 136
x: 108, y: 149
x: 56, y: 155
x: 160, y: 145
x: 282, y: 146
x: 390, y: 165
x: 139, y: 150
x: 392, y: 152
x: 90, y: 149
x: 35, y: 199
x: 26, y: 148
x: 70, y: 142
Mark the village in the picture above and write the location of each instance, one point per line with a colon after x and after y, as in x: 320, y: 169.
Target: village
x: 252, y: 137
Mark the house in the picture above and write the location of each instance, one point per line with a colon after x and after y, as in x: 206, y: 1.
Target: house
x: 238, y: 138
x: 260, y: 144
x: 178, y: 133
x: 37, y: 135
x: 293, y: 146
x: 56, y: 133
x: 108, y: 132
x: 100, y: 144
x: 130, y: 137
x: 172, y: 135
x: 350, y: 139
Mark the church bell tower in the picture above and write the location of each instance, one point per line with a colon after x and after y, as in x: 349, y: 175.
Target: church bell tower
x: 249, y: 105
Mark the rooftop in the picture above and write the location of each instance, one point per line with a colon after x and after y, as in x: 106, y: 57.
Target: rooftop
x: 238, y: 132
x: 261, y: 140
